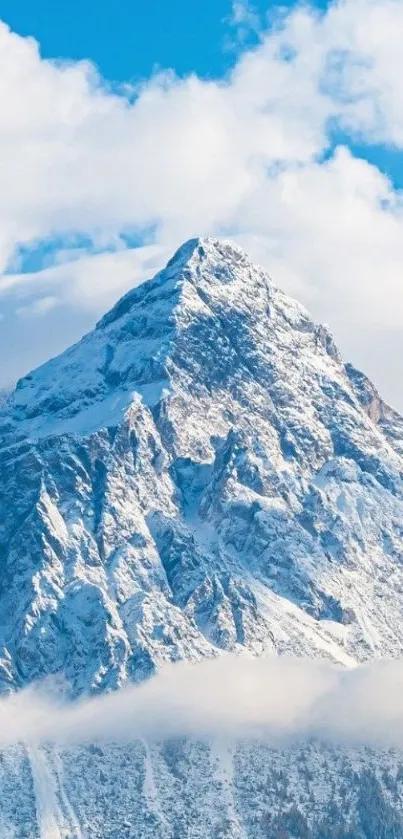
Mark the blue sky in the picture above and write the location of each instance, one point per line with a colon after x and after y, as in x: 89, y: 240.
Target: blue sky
x: 287, y: 137
x: 128, y: 38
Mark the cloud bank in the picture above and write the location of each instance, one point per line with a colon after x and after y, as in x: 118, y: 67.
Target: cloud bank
x: 281, y: 701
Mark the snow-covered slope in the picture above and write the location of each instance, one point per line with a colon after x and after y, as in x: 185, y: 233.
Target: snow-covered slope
x: 199, y: 474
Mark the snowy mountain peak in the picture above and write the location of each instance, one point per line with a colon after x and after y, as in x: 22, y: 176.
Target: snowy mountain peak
x: 207, y: 287
x: 195, y: 252
x: 195, y: 261
x: 201, y: 473
x: 207, y: 253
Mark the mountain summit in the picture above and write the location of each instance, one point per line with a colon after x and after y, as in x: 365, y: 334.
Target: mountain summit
x: 200, y: 474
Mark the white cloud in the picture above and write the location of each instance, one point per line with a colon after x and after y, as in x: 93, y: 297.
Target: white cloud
x: 242, y: 13
x: 92, y: 281
x: 247, y: 157
x: 244, y: 19
x: 40, y: 306
x: 277, y: 699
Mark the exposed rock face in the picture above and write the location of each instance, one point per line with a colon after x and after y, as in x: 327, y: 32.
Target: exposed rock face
x: 200, y: 474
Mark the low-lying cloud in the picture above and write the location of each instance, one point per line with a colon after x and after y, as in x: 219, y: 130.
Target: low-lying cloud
x: 278, y: 700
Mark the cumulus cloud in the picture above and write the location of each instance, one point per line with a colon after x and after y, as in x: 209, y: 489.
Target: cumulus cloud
x: 250, y: 157
x: 277, y: 700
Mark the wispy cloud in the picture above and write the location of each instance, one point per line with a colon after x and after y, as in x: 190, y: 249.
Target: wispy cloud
x: 279, y: 700
x: 245, y: 20
x: 40, y: 306
x: 103, y: 276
